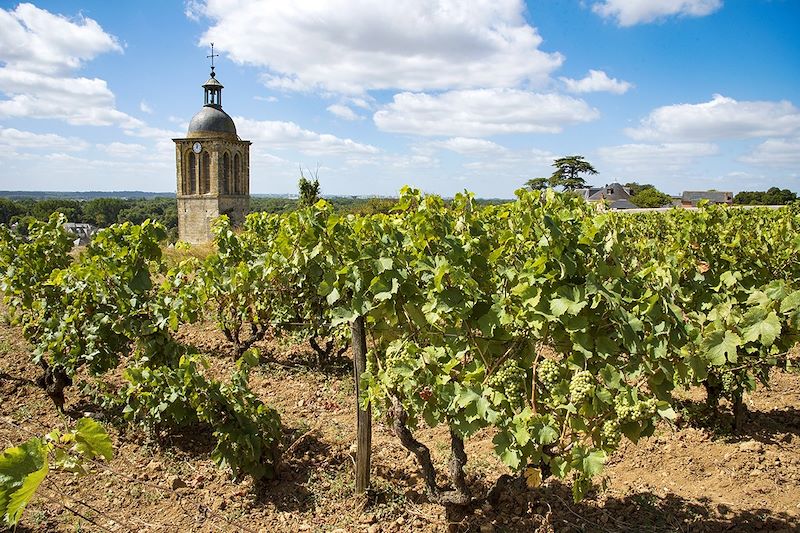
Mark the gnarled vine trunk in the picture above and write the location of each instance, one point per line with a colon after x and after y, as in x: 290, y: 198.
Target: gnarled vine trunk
x: 460, y: 495
x: 54, y: 381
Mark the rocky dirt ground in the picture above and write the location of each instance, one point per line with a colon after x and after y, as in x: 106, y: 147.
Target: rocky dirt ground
x: 688, y: 477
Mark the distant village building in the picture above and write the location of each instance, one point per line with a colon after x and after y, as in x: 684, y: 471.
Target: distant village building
x: 83, y: 232
x: 616, y: 195
x: 213, y: 168
x: 691, y: 198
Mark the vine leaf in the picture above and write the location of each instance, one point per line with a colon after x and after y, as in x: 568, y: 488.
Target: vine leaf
x: 568, y: 303
x: 16, y: 467
x: 720, y: 346
x: 20, y: 498
x: 758, y: 325
x: 791, y: 302
x: 533, y: 478
x: 593, y: 462
x: 92, y: 440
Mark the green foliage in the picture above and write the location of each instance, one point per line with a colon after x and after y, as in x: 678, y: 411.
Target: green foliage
x: 562, y: 329
x: 464, y: 296
x: 27, y: 261
x: 648, y: 196
x: 104, y: 302
x: 104, y: 305
x: 101, y: 212
x: 308, y: 190
x: 773, y: 196
x: 737, y: 272
x: 237, y: 286
x: 24, y: 467
x: 246, y: 431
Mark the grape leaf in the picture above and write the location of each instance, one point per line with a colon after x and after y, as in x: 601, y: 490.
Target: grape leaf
x: 92, y: 440
x: 20, y: 498
x: 720, y: 346
x: 759, y: 325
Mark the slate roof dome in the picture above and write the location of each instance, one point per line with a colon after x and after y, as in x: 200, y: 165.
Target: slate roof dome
x: 211, y: 119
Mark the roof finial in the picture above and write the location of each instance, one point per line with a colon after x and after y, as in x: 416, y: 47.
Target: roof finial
x: 212, y: 56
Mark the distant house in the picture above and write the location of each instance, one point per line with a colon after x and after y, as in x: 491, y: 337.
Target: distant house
x: 691, y: 198
x: 83, y: 232
x: 617, y: 196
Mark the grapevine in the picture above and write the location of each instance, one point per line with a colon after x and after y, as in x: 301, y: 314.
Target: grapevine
x: 456, y: 297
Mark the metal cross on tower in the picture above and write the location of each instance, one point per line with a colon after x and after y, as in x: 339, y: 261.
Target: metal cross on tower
x: 212, y: 56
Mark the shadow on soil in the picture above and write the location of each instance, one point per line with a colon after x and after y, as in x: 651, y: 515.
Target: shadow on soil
x: 5, y: 376
x: 764, y: 426
x: 304, y: 463
x: 304, y: 361
x: 552, y: 509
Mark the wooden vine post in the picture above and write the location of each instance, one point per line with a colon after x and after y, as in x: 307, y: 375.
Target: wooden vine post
x: 363, y: 417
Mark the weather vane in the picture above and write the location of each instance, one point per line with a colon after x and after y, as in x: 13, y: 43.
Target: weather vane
x: 212, y: 56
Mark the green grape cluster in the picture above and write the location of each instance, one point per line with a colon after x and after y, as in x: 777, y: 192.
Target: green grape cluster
x: 580, y: 386
x: 611, y: 433
x: 510, y: 380
x: 729, y: 382
x: 548, y: 373
x: 635, y: 411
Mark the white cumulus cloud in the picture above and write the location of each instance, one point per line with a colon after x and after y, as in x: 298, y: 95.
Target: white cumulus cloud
x: 33, y: 39
x: 280, y: 134
x: 352, y: 46
x: 468, y: 146
x: 596, y: 81
x: 720, y: 118
x: 659, y: 158
x: 77, y: 101
x: 632, y: 12
x: 344, y: 112
x: 40, y: 51
x: 775, y: 153
x: 15, y: 138
x: 118, y: 149
x: 482, y: 112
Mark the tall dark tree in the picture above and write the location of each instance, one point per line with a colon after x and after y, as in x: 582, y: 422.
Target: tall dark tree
x: 568, y: 172
x: 537, y: 184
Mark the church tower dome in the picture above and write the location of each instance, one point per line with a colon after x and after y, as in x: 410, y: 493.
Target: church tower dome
x: 213, y: 168
x: 211, y: 119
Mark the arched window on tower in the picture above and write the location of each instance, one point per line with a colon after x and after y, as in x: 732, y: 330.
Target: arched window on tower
x: 245, y: 166
x: 191, y: 174
x: 237, y: 172
x: 205, y: 174
x: 225, y: 175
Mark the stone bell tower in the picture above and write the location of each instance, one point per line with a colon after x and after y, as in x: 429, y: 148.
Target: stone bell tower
x: 213, y: 166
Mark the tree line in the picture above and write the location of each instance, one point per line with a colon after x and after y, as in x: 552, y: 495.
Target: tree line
x: 570, y: 172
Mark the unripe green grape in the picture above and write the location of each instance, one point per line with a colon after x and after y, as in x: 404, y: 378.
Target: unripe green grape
x: 581, y: 386
x: 628, y: 410
x: 510, y: 380
x: 611, y: 433
x: 729, y: 382
x: 548, y: 373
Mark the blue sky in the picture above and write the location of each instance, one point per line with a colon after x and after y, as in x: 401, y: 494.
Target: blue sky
x: 442, y: 95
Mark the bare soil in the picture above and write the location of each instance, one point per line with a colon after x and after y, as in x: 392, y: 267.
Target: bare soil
x: 694, y: 476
